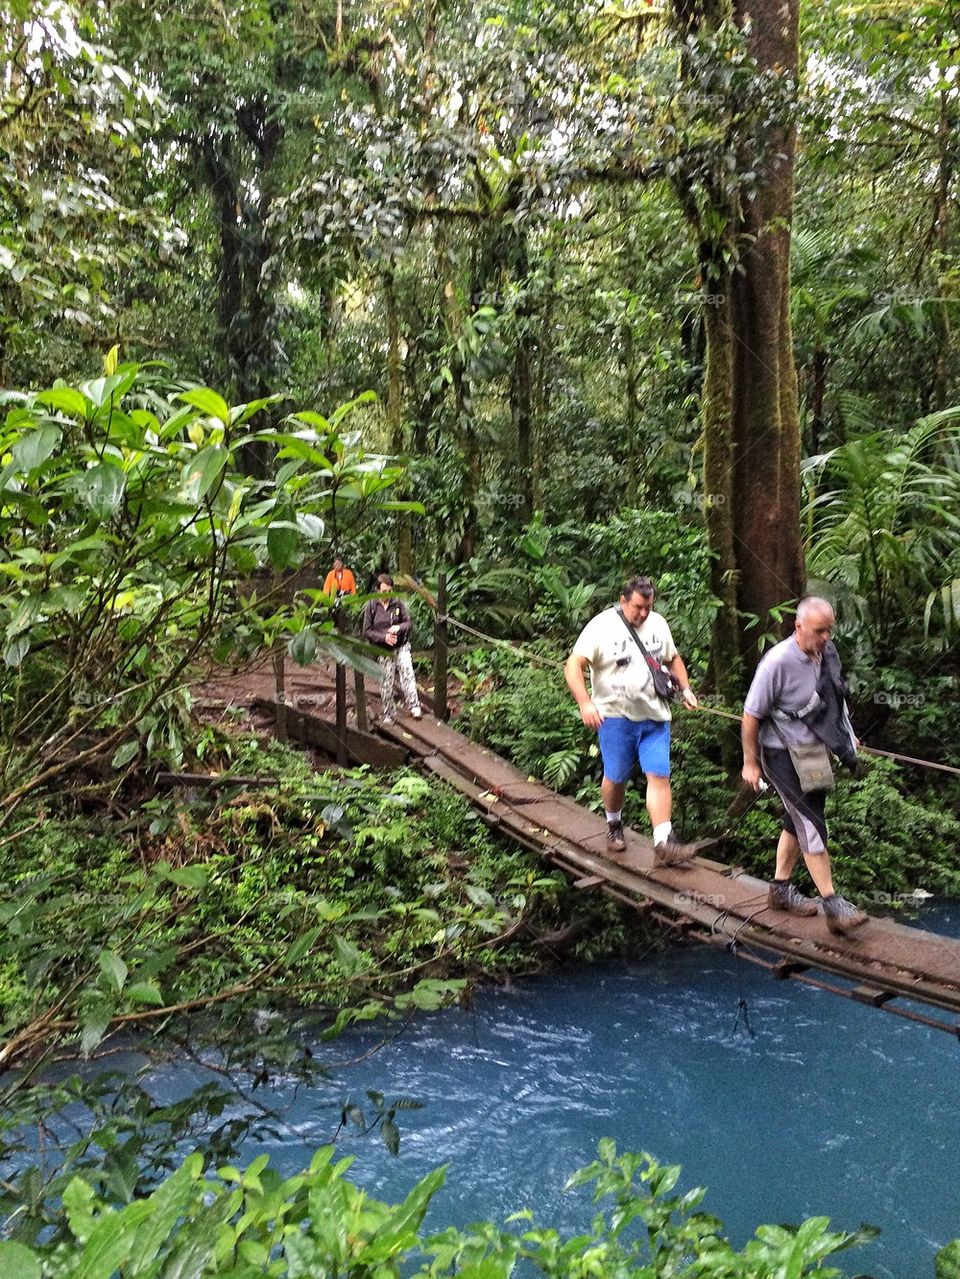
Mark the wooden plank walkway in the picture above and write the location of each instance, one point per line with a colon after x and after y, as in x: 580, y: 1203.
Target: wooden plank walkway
x: 885, y: 964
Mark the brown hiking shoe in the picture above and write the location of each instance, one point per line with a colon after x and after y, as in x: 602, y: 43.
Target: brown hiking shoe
x: 672, y: 853
x: 842, y: 916
x: 615, y: 841
x: 786, y: 897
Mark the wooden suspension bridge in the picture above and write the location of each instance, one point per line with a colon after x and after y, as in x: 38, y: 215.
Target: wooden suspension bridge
x: 904, y: 970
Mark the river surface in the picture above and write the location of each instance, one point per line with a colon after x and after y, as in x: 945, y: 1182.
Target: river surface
x: 791, y: 1104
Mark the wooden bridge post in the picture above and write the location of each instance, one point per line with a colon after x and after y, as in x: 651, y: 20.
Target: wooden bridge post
x: 341, y: 686
x: 280, y: 687
x: 360, y: 699
x: 440, y: 651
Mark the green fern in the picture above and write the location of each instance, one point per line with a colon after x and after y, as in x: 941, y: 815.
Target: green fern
x: 560, y: 766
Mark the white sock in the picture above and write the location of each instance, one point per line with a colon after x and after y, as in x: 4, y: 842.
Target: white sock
x: 614, y: 817
x: 662, y: 832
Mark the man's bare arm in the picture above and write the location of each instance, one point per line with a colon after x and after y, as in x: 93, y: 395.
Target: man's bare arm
x: 677, y: 668
x: 575, y: 673
x: 749, y: 736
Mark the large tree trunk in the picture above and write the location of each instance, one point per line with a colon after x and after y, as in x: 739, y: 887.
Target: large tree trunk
x: 946, y: 160
x: 750, y: 401
x: 395, y: 413
x: 717, y: 402
x: 521, y: 384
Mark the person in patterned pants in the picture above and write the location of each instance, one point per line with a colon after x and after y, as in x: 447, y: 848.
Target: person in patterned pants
x: 386, y: 624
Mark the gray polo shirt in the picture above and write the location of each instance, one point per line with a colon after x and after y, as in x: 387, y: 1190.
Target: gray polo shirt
x: 786, y: 680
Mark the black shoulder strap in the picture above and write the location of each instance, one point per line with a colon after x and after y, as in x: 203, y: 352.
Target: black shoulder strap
x: 636, y: 638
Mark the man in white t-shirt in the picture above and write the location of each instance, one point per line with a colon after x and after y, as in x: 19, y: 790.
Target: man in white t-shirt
x: 632, y: 722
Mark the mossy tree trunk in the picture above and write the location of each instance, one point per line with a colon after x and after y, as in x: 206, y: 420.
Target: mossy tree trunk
x: 750, y: 400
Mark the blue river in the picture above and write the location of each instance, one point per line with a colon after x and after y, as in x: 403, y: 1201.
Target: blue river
x: 784, y: 1101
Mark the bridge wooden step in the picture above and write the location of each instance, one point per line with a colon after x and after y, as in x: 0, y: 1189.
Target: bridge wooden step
x: 787, y: 967
x: 872, y: 995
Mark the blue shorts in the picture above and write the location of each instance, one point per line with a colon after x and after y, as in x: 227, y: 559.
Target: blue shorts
x: 625, y: 741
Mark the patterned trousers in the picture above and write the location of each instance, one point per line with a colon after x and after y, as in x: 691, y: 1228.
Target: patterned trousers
x: 397, y: 661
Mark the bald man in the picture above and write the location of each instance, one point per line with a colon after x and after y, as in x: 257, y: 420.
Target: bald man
x: 797, y: 699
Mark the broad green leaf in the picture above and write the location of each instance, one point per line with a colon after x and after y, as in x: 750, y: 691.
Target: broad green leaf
x: 93, y: 1029
x: 208, y: 402
x: 113, y: 968
x: 203, y: 471
x: 7, y: 475
x: 107, y: 390
x: 145, y: 992
x: 100, y: 489
x: 26, y: 614
x: 350, y: 958
x: 18, y: 1262
x: 311, y: 527
x: 301, y: 946
x: 282, y: 541
x: 189, y: 877
x: 480, y: 897
x: 66, y: 399
x: 947, y: 1262
x: 168, y: 1204
x: 110, y: 1243
x: 78, y: 1200
x: 345, y: 409
x: 409, y: 1215
x: 174, y: 425
x: 16, y: 651
x: 430, y: 994
x: 32, y: 450
x: 241, y: 413
x: 79, y: 549
x: 124, y: 754
x: 309, y: 418
x: 303, y: 647
x: 417, y: 508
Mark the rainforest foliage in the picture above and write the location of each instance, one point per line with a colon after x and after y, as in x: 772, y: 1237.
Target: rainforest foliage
x: 538, y: 294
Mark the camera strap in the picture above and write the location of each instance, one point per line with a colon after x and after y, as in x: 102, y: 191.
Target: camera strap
x: 665, y: 683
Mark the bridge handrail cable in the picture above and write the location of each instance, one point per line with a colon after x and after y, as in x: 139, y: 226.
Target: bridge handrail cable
x: 707, y: 710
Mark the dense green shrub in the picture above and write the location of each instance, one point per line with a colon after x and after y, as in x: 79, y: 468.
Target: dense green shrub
x: 241, y: 1223
x: 359, y: 891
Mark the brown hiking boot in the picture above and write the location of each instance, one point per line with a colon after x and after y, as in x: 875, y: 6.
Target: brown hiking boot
x: 842, y: 916
x: 615, y: 840
x: 672, y: 853
x: 786, y: 897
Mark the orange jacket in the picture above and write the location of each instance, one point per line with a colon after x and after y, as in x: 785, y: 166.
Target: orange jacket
x: 341, y: 583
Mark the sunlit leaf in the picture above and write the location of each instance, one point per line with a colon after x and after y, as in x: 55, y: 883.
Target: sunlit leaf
x: 208, y: 402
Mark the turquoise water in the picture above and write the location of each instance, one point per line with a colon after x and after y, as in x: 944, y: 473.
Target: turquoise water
x: 828, y: 1107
